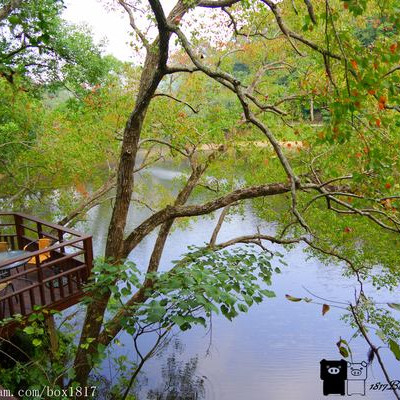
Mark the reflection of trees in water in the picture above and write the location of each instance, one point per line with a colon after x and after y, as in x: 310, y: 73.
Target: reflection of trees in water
x: 180, y: 381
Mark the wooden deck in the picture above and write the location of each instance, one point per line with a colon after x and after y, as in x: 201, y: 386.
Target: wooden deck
x: 55, y: 282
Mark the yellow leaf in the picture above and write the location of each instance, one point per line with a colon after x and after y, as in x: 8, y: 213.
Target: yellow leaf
x: 291, y: 298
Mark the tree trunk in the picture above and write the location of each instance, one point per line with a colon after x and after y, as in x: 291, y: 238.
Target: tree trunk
x: 150, y: 78
x: 312, y: 110
x: 153, y: 71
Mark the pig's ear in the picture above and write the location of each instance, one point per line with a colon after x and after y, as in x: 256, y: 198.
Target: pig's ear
x: 364, y: 364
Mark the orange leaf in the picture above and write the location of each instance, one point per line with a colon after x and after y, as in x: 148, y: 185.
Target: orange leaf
x: 81, y: 189
x: 354, y: 64
x: 325, y: 309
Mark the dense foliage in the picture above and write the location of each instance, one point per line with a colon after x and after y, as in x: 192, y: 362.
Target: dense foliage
x: 299, y: 103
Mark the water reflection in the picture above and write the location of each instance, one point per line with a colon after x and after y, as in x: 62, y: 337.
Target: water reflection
x: 273, y: 351
x: 180, y: 379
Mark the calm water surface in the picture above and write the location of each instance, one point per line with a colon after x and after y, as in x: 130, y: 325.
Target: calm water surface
x: 270, y: 353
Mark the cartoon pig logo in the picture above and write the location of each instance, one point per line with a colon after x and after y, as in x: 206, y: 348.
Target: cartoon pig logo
x: 333, y: 373
x: 356, y: 377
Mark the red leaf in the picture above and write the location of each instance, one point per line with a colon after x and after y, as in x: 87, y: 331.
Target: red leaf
x: 354, y: 64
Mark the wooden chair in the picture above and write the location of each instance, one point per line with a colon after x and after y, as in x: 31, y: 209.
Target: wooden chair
x: 4, y: 246
x: 43, y: 243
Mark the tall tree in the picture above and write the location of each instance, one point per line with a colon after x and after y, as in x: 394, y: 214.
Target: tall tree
x: 300, y: 99
x: 351, y: 89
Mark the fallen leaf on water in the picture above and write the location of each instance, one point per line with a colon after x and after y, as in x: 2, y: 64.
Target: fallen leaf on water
x: 325, y: 309
x: 291, y: 298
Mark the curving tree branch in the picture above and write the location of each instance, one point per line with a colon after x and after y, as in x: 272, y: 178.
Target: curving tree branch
x: 177, y: 100
x: 132, y: 22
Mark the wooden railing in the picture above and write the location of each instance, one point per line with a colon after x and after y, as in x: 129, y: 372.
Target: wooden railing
x: 55, y: 282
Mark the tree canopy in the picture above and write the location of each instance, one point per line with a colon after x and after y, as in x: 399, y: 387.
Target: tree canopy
x: 291, y: 107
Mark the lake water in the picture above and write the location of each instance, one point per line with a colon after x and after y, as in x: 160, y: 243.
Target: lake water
x: 271, y: 353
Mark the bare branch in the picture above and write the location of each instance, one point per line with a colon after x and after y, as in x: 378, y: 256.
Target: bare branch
x: 219, y: 225
x: 238, y: 32
x: 175, y: 69
x: 255, y: 239
x: 233, y: 84
x: 171, y: 212
x: 286, y: 31
x: 138, y: 32
x: 90, y: 202
x: 217, y: 3
x: 164, y: 143
x: 311, y: 13
x: 181, y: 199
x: 177, y: 100
x: 375, y: 350
x: 391, y: 71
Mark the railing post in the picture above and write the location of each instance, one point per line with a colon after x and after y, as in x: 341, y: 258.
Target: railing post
x: 19, y: 230
x: 88, y: 247
x: 61, y: 239
x: 39, y: 229
x: 40, y: 281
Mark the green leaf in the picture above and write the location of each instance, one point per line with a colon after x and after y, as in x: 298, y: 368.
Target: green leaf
x: 267, y: 293
x: 242, y: 307
x: 381, y: 335
x: 178, y: 320
x: 14, y: 19
x: 395, y: 348
x: 291, y: 298
x: 343, y: 351
x: 307, y: 299
x: 36, y: 342
x: 29, y: 330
